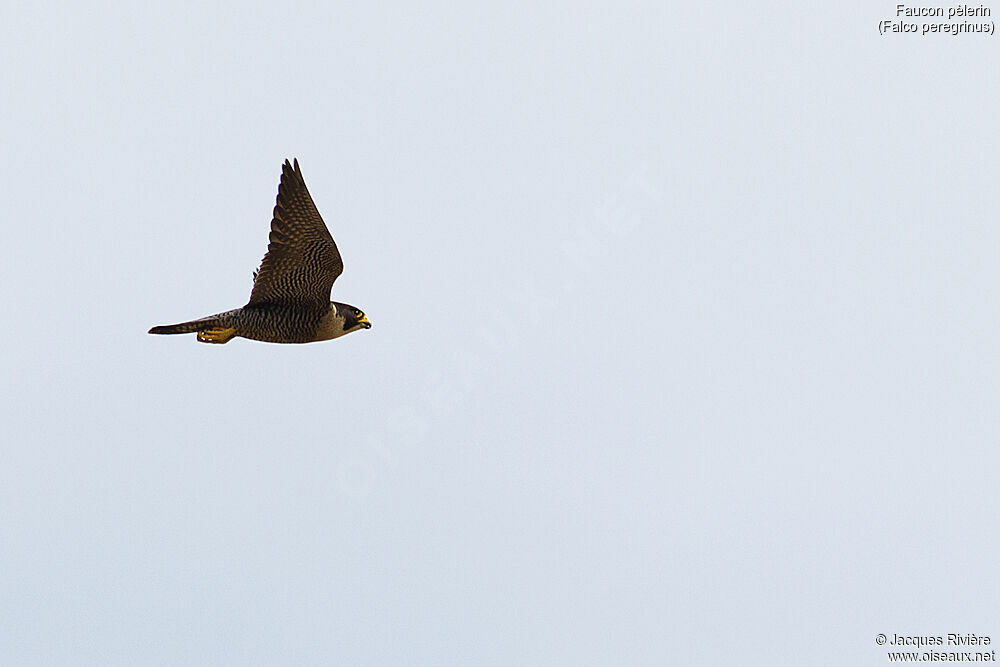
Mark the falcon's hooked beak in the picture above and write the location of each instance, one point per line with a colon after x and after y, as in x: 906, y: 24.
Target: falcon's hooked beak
x: 364, y: 322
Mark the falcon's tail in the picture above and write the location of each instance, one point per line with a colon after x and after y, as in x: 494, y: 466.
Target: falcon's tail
x: 187, y: 327
x: 210, y: 329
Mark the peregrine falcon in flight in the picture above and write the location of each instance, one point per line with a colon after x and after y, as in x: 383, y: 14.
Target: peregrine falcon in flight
x: 290, y: 300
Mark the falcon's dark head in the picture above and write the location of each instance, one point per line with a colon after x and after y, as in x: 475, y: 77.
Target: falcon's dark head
x: 353, y: 317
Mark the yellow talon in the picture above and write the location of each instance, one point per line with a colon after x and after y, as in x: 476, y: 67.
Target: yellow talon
x: 219, y: 336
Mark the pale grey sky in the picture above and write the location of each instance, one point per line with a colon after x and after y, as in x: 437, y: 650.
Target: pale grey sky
x: 685, y: 344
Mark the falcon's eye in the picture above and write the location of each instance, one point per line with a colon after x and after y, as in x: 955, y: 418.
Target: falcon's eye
x: 359, y: 314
